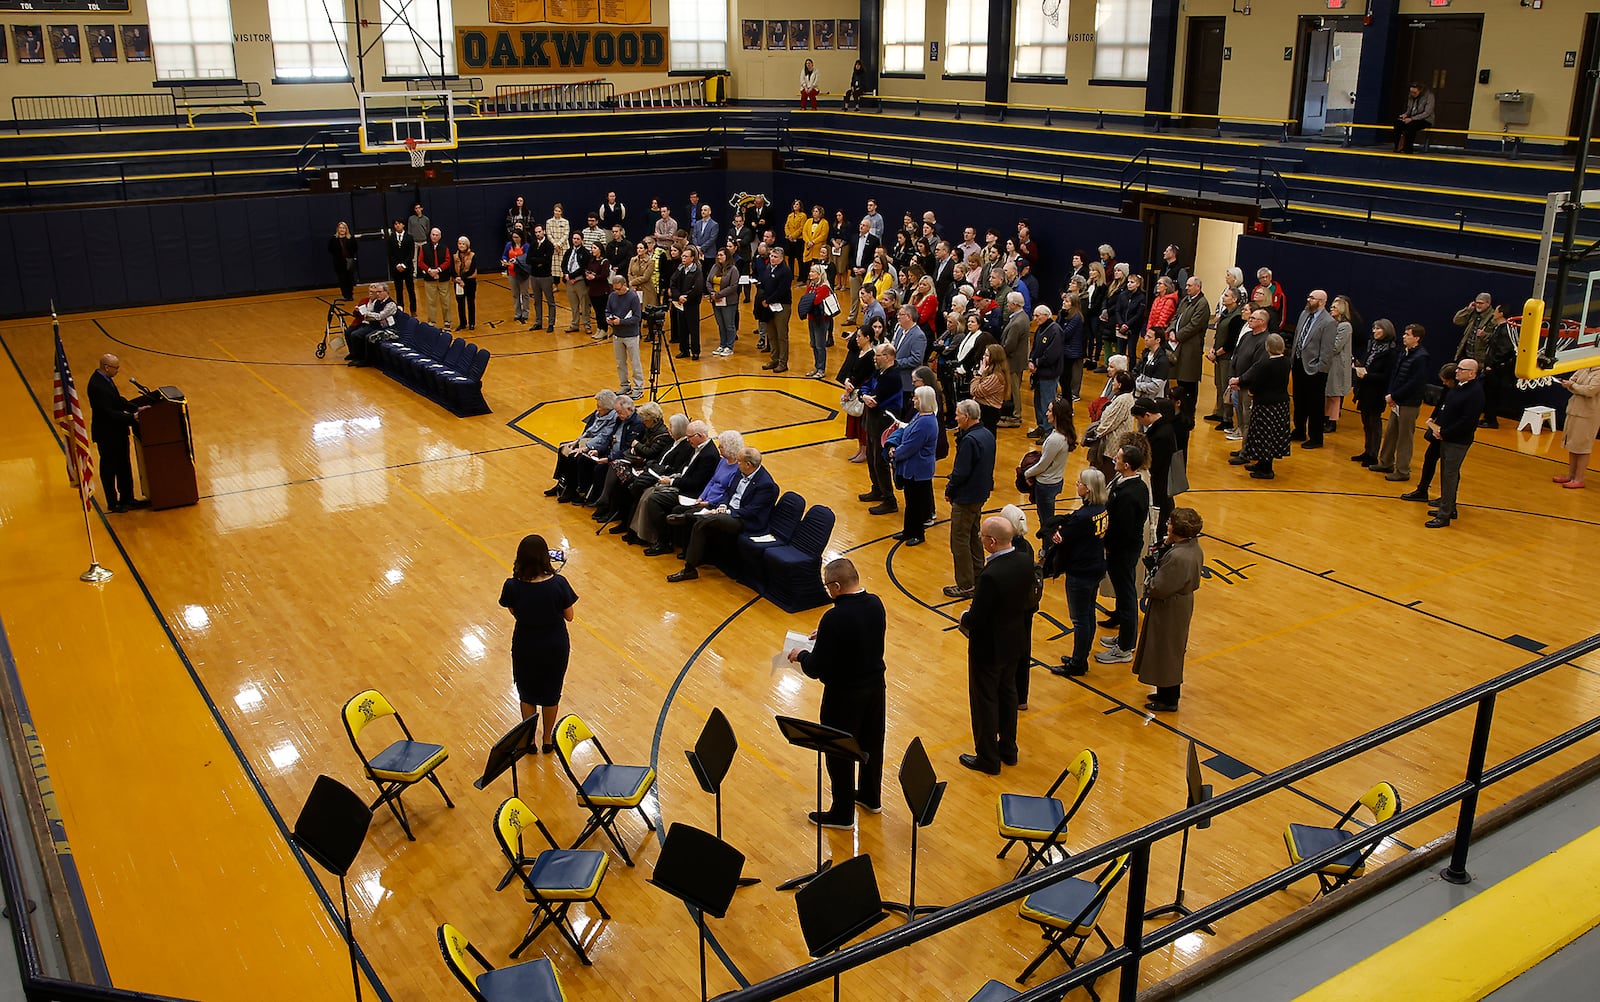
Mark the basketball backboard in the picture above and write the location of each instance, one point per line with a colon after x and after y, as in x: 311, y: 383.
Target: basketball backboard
x: 1578, y: 341
x: 390, y: 118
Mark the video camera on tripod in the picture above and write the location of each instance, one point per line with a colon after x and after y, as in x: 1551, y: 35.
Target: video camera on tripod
x: 655, y: 318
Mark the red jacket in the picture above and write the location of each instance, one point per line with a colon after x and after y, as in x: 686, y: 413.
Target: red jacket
x: 431, y: 255
x: 1162, y: 312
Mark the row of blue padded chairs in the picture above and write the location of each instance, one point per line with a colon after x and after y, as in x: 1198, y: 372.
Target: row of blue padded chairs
x: 448, y: 371
x: 787, y: 569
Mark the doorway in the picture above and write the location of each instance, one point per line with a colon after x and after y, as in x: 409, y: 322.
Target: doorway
x: 1591, y: 37
x: 1441, y: 53
x: 1206, y: 243
x: 1202, y: 69
x: 1326, y: 65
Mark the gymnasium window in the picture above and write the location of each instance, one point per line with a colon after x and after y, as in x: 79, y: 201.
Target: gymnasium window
x: 905, y: 35
x: 1042, y: 38
x: 1122, y: 40
x: 413, y: 43
x: 966, y: 32
x: 308, y: 39
x: 698, y: 30
x: 192, y: 39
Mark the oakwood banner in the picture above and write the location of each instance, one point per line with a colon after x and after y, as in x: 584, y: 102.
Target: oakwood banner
x: 562, y: 50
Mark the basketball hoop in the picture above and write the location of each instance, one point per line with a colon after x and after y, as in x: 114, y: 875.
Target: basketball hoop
x: 1052, y: 11
x: 416, y: 151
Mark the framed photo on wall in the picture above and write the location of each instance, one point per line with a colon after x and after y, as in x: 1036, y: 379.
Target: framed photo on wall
x: 136, y: 42
x: 29, y: 39
x: 777, y: 35
x: 66, y: 46
x: 750, y: 31
x: 822, y: 35
x: 799, y: 35
x: 5, y: 48
x: 847, y: 33
x: 102, y: 42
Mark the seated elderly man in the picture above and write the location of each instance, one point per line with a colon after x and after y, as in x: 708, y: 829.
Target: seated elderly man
x: 599, y: 429
x: 617, y: 497
x: 373, y: 318
x: 748, y: 509
x: 591, y: 466
x: 650, y: 514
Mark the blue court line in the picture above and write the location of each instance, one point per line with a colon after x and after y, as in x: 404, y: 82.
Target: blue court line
x: 655, y: 763
x: 211, y: 706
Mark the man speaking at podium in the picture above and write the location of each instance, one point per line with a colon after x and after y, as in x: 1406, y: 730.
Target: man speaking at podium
x: 111, y: 417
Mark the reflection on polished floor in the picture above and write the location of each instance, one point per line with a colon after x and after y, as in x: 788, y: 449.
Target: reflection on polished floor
x: 351, y: 534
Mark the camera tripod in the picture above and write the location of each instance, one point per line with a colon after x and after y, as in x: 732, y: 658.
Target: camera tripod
x: 657, y: 337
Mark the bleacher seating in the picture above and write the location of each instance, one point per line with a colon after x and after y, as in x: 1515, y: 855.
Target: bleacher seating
x: 448, y: 371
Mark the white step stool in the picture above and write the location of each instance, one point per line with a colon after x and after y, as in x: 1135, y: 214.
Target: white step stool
x: 1534, y: 418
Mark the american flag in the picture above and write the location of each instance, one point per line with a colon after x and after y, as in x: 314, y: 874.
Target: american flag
x: 69, y: 417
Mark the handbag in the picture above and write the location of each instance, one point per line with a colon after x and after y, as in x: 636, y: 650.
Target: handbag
x: 830, y: 306
x: 853, y: 404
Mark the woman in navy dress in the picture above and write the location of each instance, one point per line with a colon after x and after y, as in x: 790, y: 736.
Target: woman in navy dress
x: 541, y: 602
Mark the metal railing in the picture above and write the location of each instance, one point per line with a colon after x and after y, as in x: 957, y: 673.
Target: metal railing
x: 313, y: 154
x: 583, y: 95
x: 1225, y: 175
x: 1137, y: 943
x: 681, y: 94
x: 98, y: 110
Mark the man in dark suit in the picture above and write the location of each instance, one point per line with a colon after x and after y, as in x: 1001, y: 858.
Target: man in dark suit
x: 848, y: 660
x: 1455, y: 425
x: 776, y: 292
x: 944, y: 274
x: 996, y: 627
x: 748, y: 510
x: 1127, y: 513
x: 650, y: 515
x: 859, y: 251
x: 111, y: 417
x: 1313, y: 356
x: 403, y: 263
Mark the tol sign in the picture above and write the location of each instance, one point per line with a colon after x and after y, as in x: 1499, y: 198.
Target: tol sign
x: 561, y: 50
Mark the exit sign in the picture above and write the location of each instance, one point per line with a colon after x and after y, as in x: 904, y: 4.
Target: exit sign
x: 1336, y: 4
x: 1438, y: 3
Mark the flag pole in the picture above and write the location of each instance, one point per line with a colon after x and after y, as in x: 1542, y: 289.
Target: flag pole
x: 80, y: 467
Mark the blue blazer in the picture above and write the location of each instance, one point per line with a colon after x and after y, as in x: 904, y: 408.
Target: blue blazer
x: 914, y: 456
x: 755, y: 508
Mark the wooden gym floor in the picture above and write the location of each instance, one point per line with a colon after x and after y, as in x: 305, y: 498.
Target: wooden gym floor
x: 351, y: 534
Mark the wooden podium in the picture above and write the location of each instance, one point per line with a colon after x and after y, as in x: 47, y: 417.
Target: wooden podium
x: 168, y: 455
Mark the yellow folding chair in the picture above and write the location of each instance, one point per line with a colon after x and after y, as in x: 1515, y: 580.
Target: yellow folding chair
x: 398, y: 766
x: 553, y: 880
x: 609, y: 789
x: 1040, y: 823
x: 1070, y: 909
x: 1304, y: 841
x: 534, y: 981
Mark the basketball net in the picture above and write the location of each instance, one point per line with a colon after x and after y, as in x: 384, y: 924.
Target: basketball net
x: 1052, y: 11
x: 416, y: 151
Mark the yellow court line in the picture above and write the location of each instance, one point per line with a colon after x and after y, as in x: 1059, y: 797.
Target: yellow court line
x: 1484, y: 942
x: 1283, y: 630
x: 139, y: 765
x: 291, y: 401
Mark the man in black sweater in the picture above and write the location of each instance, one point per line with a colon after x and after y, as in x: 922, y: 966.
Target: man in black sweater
x: 1456, y: 425
x: 997, y: 636
x: 848, y: 661
x: 1127, y: 511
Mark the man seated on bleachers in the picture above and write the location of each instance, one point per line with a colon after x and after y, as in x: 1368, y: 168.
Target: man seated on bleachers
x: 374, y: 319
x: 748, y: 510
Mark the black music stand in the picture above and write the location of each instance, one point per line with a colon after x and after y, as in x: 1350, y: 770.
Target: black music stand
x: 823, y: 740
x: 710, y: 758
x: 838, y: 906
x: 702, y: 871
x: 923, y: 792
x: 523, y: 739
x: 330, y: 829
x: 1199, y: 793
